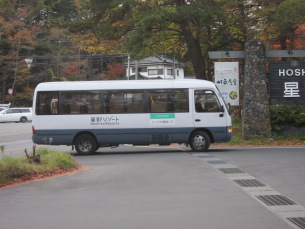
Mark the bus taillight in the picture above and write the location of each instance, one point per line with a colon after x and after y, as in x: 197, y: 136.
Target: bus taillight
x: 33, y: 130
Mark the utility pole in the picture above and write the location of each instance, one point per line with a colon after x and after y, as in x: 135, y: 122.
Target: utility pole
x: 137, y: 70
x: 174, y: 68
x: 128, y: 68
x: 90, y: 67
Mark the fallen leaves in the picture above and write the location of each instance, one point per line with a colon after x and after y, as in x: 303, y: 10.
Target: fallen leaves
x: 41, y: 176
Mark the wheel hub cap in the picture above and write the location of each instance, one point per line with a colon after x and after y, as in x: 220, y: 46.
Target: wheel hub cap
x: 85, y: 146
x: 198, y: 142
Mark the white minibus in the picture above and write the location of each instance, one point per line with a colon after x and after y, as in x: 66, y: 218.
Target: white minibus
x: 94, y: 114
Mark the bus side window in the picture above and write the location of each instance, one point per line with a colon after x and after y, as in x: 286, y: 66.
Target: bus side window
x: 168, y: 100
x: 80, y: 102
x: 118, y: 102
x: 180, y: 100
x: 47, y: 103
x: 206, y: 101
x: 83, y: 109
x: 134, y: 101
x: 90, y: 102
x: 65, y: 103
x: 66, y: 109
x: 158, y: 102
x: 114, y: 102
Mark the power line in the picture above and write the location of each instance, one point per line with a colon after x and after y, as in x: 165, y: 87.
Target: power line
x: 48, y: 57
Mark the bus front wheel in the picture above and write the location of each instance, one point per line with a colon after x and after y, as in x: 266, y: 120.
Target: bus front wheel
x: 200, y: 141
x: 85, y: 144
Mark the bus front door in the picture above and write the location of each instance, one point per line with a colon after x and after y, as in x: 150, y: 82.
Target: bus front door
x: 209, y: 113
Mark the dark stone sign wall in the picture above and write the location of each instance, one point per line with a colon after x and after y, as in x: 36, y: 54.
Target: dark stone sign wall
x: 287, y: 82
x: 255, y: 113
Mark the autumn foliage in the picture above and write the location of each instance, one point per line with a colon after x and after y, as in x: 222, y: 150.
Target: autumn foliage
x: 115, y: 71
x: 63, y: 36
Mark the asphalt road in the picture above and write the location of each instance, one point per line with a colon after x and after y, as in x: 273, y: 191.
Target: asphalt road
x: 163, y: 187
x: 16, y: 137
x: 281, y: 168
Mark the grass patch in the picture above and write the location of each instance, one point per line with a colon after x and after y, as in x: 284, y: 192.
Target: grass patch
x: 237, y: 138
x: 13, y: 169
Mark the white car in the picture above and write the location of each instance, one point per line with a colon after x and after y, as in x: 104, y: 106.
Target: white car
x: 22, y: 114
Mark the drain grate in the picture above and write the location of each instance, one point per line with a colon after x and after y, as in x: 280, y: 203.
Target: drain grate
x: 218, y: 162
x: 299, y: 221
x: 206, y: 156
x: 231, y: 170
x: 250, y: 183
x: 274, y: 200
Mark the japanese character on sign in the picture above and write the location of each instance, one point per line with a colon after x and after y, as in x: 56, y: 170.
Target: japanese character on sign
x: 227, y: 82
x: 106, y: 120
x: 291, y: 89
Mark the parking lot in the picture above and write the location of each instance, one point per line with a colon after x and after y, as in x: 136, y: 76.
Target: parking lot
x: 163, y: 187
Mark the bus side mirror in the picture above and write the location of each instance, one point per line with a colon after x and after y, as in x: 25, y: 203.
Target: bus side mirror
x: 229, y: 108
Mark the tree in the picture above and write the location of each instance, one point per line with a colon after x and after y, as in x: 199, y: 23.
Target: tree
x: 17, y: 36
x: 279, y: 21
x: 143, y: 27
x: 114, y: 71
x: 31, y: 28
x: 183, y: 28
x: 290, y: 17
x: 63, y: 35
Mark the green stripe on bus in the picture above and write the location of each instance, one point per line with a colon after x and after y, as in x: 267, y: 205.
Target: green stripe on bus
x: 162, y: 116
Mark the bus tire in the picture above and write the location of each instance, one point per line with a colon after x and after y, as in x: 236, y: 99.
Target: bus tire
x: 200, y: 141
x: 85, y: 144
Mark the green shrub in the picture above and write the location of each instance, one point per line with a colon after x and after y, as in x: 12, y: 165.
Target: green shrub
x: 12, y: 168
x: 282, y: 115
x: 57, y: 160
x: 238, y: 139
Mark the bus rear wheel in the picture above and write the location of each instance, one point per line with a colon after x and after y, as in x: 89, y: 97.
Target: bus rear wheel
x: 200, y: 141
x: 85, y: 144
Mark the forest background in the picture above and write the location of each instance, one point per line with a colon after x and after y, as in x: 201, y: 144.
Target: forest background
x: 91, y: 39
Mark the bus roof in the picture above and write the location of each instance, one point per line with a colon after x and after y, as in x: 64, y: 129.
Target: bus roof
x: 123, y: 84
